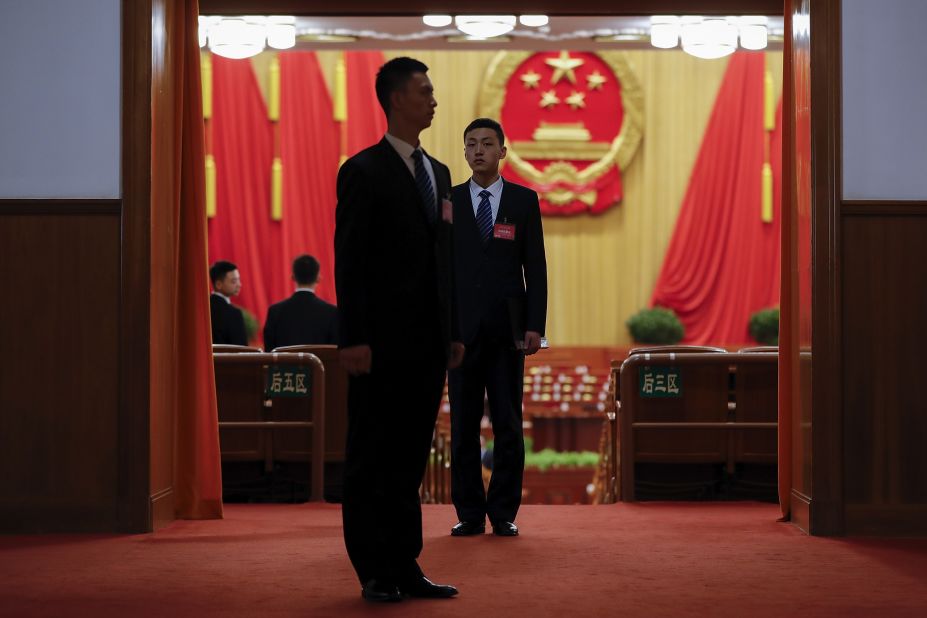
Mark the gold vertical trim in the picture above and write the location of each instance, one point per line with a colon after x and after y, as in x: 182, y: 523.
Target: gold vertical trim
x: 273, y: 95
x: 769, y: 102
x: 206, y: 77
x: 276, y: 195
x: 340, y: 107
x: 210, y: 186
x: 767, y: 201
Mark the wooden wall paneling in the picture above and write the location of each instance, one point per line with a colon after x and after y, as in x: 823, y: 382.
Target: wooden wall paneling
x: 164, y: 162
x: 59, y: 338
x: 135, y: 260
x: 827, y: 396
x: 794, y: 341
x: 885, y: 420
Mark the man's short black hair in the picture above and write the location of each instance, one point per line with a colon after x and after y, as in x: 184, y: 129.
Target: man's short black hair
x: 219, y: 270
x: 305, y: 270
x: 486, y: 123
x: 394, y: 75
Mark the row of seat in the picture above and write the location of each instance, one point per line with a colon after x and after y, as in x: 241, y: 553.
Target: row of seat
x: 285, y: 416
x: 688, y: 405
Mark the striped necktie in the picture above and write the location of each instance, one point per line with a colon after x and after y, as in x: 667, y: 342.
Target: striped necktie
x: 484, y: 216
x: 423, y: 182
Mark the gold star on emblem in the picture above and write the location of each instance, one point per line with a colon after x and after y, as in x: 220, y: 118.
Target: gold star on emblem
x: 576, y: 99
x: 549, y: 99
x: 564, y: 65
x: 531, y: 79
x: 595, y: 81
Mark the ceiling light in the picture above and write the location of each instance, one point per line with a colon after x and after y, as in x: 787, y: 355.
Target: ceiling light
x: 709, y: 38
x: 485, y: 26
x: 281, y: 31
x: 237, y: 38
x: 664, y: 31
x: 534, y: 21
x: 437, y: 21
x: 753, y: 32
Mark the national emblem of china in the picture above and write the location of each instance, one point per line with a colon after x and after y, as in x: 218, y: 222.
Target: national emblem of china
x: 572, y: 120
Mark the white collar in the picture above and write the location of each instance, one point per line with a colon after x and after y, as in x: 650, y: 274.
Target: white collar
x: 404, y: 148
x: 223, y: 297
x: 495, y: 189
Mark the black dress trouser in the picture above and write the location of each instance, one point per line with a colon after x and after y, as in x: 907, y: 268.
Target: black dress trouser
x: 491, y: 366
x: 391, y: 420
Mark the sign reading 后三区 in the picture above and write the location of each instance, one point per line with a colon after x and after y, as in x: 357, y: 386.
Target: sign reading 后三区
x: 660, y: 382
x: 287, y: 381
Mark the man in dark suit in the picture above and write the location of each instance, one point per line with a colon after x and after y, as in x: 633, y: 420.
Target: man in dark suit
x: 303, y: 318
x: 228, y: 322
x: 500, y: 275
x: 392, y: 275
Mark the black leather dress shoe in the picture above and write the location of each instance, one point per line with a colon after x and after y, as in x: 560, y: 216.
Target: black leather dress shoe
x: 423, y: 588
x: 375, y: 591
x: 468, y: 528
x: 505, y: 528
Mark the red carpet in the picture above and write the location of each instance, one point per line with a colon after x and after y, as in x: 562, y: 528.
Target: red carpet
x: 654, y: 559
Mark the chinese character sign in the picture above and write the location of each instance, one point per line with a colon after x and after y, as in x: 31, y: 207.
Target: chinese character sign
x: 660, y: 382
x: 285, y: 381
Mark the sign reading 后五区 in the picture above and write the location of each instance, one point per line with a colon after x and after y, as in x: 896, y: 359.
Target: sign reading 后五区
x: 287, y: 381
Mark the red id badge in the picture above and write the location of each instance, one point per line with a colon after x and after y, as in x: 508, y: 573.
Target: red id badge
x: 447, y: 211
x: 504, y: 231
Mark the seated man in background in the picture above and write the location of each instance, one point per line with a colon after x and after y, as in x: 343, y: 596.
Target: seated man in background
x: 303, y: 318
x: 228, y: 322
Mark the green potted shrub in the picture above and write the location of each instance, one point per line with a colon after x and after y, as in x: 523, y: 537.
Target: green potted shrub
x: 657, y: 325
x: 251, y: 324
x: 764, y: 326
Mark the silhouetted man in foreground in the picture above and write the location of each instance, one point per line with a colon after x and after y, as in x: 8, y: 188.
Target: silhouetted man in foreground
x: 392, y: 274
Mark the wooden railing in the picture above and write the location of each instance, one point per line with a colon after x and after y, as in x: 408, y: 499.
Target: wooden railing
x: 723, y: 413
x: 246, y: 422
x: 436, y: 484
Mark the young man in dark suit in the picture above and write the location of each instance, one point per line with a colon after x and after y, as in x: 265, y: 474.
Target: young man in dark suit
x: 500, y: 274
x: 303, y: 318
x: 392, y: 275
x: 228, y: 322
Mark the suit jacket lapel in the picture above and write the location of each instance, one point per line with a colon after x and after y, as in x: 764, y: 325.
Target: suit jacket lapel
x: 505, y: 205
x: 399, y: 170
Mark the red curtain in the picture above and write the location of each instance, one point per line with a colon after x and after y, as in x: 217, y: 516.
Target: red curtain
x: 197, y: 469
x: 242, y: 230
x: 366, y: 121
x: 309, y: 145
x: 723, y: 260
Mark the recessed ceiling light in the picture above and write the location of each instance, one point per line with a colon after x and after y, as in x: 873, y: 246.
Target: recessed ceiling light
x: 437, y: 21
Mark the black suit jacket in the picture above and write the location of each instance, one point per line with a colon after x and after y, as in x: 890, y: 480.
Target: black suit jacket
x: 228, y: 322
x: 301, y: 319
x: 505, y: 279
x: 392, y: 269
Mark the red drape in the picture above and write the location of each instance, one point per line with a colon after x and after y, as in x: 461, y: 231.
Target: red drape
x: 197, y: 468
x: 309, y: 147
x: 723, y: 260
x: 242, y: 230
x: 366, y: 120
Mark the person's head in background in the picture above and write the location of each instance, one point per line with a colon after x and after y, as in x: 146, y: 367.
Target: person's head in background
x: 306, y: 272
x: 484, y: 149
x: 225, y: 278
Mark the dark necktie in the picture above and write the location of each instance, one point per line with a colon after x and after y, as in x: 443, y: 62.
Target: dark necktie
x: 423, y: 182
x: 484, y: 216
